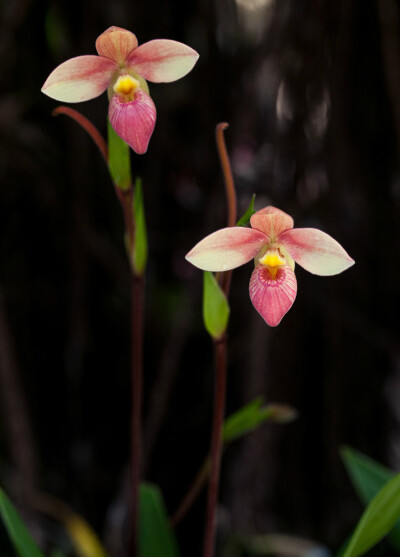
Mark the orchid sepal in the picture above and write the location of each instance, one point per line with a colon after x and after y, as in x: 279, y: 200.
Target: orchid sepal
x: 116, y: 44
x: 271, y: 221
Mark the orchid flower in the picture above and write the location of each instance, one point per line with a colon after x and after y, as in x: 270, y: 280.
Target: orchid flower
x: 275, y: 246
x: 122, y: 67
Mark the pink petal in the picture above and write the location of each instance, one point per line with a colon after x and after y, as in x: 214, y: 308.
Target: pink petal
x: 116, y: 44
x: 79, y: 79
x: 133, y: 121
x: 272, y: 298
x: 226, y: 249
x: 271, y: 221
x: 162, y: 60
x: 316, y: 251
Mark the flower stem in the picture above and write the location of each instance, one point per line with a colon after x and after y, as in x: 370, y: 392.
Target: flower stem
x: 225, y: 278
x: 125, y: 197
x: 87, y: 126
x: 216, y: 445
x: 220, y: 358
x: 137, y: 286
x: 192, y: 493
x: 227, y: 172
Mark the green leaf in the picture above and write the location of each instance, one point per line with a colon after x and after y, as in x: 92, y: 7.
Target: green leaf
x: 156, y: 538
x: 57, y: 553
x: 19, y: 534
x: 140, y: 247
x: 119, y: 161
x: 245, y: 219
x: 377, y: 520
x: 253, y: 414
x: 215, y: 307
x: 368, y: 477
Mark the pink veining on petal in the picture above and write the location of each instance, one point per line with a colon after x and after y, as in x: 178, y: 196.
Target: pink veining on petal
x: 226, y: 249
x: 271, y: 221
x: 272, y: 298
x: 133, y: 121
x: 116, y: 44
x: 162, y: 60
x: 316, y: 251
x: 79, y: 79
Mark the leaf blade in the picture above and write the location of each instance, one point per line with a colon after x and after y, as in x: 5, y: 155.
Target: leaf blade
x: 245, y: 219
x: 215, y: 307
x: 252, y: 415
x: 368, y: 477
x: 140, y: 249
x: 119, y: 162
x: 377, y: 520
x: 19, y: 534
x: 156, y: 537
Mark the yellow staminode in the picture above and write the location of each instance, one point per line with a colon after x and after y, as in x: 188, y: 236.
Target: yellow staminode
x: 126, y: 84
x: 272, y: 259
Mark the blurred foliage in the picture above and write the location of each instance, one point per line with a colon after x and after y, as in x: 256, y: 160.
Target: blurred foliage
x: 23, y: 542
x: 253, y: 414
x: 245, y: 219
x: 155, y: 534
x: 141, y: 247
x: 369, y: 478
x: 378, y: 519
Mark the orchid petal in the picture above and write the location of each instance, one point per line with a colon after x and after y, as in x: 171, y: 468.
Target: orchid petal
x: 133, y: 121
x: 162, y: 60
x: 116, y: 44
x: 316, y: 251
x: 272, y: 297
x: 271, y: 221
x: 226, y: 249
x: 79, y: 79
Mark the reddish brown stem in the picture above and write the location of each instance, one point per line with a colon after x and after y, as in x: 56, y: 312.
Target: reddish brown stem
x: 220, y: 360
x: 136, y: 415
x: 225, y: 278
x: 216, y: 445
x: 137, y: 293
x: 87, y: 126
x: 192, y: 493
x: 227, y: 172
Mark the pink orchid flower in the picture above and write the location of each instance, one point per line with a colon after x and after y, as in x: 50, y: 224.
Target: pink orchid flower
x: 275, y: 246
x: 122, y: 68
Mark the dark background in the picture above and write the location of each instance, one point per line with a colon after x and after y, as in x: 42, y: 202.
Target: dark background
x: 311, y: 90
